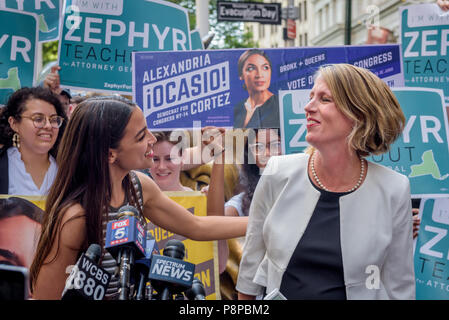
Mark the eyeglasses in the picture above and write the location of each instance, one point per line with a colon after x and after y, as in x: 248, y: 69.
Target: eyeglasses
x: 40, y: 120
x: 260, y: 148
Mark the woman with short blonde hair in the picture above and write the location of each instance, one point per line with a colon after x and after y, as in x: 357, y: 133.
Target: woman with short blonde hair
x: 329, y: 224
x: 373, y: 108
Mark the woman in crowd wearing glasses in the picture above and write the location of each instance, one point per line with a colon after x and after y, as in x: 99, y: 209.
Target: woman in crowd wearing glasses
x: 31, y: 126
x: 261, y: 146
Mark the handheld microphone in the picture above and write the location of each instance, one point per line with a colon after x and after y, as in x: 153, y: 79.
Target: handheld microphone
x: 142, y: 268
x: 197, y: 291
x: 169, y: 274
x: 125, y: 241
x: 87, y: 280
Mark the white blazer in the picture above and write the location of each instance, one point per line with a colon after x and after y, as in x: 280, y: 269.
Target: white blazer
x: 375, y: 230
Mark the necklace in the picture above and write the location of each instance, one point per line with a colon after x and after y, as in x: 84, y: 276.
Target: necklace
x: 321, y: 185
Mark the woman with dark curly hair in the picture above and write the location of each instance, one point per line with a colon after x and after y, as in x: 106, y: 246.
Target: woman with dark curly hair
x: 260, y: 147
x: 31, y: 126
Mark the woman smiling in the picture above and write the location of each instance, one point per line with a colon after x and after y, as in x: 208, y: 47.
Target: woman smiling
x: 31, y: 126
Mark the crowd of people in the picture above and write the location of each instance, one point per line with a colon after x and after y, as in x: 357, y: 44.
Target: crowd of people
x: 312, y: 223
x: 105, y: 157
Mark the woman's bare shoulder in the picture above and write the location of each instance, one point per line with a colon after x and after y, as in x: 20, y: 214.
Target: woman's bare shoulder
x: 73, y: 227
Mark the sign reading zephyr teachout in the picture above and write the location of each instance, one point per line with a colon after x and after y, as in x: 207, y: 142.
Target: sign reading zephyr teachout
x: 425, y: 46
x: 98, y: 37
x: 420, y: 153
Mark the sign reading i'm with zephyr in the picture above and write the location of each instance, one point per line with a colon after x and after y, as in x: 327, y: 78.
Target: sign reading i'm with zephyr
x: 99, y: 36
x: 425, y: 45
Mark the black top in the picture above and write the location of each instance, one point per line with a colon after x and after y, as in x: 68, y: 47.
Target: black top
x: 265, y: 116
x: 315, y: 270
x: 4, y: 174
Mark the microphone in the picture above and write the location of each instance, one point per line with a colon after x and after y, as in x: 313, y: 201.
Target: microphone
x: 142, y: 268
x: 197, y: 291
x: 169, y: 274
x: 125, y: 241
x: 87, y: 280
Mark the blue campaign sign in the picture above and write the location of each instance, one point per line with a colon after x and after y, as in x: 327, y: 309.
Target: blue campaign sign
x: 48, y: 13
x: 431, y: 250
x: 425, y: 45
x: 197, y: 43
x: 18, y: 39
x: 421, y: 152
x: 211, y: 87
x: 293, y: 120
x: 99, y: 36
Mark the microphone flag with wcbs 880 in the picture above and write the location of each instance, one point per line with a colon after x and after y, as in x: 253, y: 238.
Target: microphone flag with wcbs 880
x: 87, y: 280
x: 125, y: 241
x: 169, y: 274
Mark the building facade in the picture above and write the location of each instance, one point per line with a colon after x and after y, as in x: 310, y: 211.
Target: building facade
x: 272, y: 36
x: 323, y: 23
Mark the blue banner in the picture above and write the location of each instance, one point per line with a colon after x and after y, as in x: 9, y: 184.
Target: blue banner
x: 431, y: 254
x: 47, y: 11
x: 18, y: 42
x: 99, y: 36
x: 425, y: 45
x: 175, y: 90
x: 421, y: 153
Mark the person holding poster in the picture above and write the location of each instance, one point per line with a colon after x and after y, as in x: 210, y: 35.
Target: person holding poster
x: 31, y: 127
x: 261, y: 109
x: 106, y: 139
x: 328, y: 224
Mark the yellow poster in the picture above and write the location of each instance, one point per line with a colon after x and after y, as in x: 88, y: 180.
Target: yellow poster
x: 202, y: 253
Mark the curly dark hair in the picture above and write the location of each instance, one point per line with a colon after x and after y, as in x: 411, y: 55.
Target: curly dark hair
x: 16, y: 106
x: 250, y: 173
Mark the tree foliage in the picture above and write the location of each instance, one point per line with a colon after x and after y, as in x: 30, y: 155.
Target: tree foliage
x: 228, y: 35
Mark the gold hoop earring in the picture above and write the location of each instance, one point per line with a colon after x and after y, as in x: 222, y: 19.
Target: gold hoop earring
x: 16, y: 140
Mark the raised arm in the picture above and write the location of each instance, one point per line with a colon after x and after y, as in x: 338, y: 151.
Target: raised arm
x: 169, y: 215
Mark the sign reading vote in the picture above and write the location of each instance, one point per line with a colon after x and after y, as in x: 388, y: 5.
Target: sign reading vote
x: 98, y: 37
x: 47, y: 11
x: 18, y: 39
x: 431, y: 254
x: 425, y: 46
x: 420, y: 153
